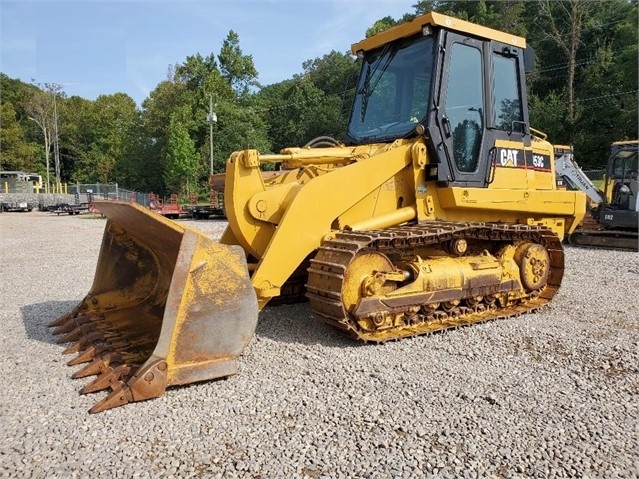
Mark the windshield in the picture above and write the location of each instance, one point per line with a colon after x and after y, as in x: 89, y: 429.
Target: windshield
x: 392, y: 91
x: 624, y: 163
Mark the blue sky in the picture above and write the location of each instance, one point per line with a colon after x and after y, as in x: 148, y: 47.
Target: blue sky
x: 95, y: 47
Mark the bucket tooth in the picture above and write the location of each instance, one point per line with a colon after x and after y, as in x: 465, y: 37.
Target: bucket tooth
x: 76, y: 347
x: 97, y: 366
x: 82, y: 345
x: 108, y: 379
x: 61, y: 327
x: 74, y: 335
x: 92, y: 341
x: 84, y: 357
x: 61, y: 320
x: 70, y: 325
x: 85, y: 342
x: 65, y: 328
x: 117, y: 397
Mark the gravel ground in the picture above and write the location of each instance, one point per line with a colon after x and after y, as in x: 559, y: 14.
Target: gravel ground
x: 554, y: 394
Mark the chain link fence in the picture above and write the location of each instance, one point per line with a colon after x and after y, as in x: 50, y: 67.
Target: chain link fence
x: 595, y: 174
x: 21, y: 195
x: 108, y: 191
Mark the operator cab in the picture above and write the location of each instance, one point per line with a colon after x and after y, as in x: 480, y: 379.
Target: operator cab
x: 621, y: 185
x: 458, y: 84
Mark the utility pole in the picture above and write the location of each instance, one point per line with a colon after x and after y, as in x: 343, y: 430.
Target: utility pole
x: 56, y: 144
x: 211, y: 118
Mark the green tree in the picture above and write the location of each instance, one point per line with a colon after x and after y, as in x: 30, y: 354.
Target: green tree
x: 17, y: 93
x: 16, y: 153
x: 548, y: 113
x: 77, y: 134
x: 315, y: 103
x: 335, y: 74
x: 101, y: 147
x: 181, y: 159
x: 381, y: 25
x: 599, y: 60
x: 167, y: 97
x: 564, y: 20
x: 195, y: 71
x: 498, y: 14
x: 236, y: 68
x: 185, y: 97
x: 607, y: 89
x: 301, y: 113
x: 119, y: 119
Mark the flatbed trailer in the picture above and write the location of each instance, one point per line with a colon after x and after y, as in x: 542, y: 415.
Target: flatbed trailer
x: 17, y: 206
x: 71, y: 209
x: 171, y: 210
x: 203, y: 212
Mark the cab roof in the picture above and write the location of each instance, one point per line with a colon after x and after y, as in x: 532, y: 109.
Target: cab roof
x: 434, y: 19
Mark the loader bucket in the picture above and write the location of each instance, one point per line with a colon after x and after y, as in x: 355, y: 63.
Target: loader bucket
x: 168, y: 306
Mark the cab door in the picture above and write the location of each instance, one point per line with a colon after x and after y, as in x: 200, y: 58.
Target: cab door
x: 460, y: 112
x: 465, y: 125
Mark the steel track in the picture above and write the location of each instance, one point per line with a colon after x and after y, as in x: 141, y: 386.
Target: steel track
x: 328, y: 268
x: 605, y: 239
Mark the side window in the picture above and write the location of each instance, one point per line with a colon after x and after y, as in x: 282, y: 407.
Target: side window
x: 507, y: 106
x: 619, y: 168
x: 465, y: 105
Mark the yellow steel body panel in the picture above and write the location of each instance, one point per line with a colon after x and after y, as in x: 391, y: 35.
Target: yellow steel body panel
x: 311, y: 213
x: 280, y: 222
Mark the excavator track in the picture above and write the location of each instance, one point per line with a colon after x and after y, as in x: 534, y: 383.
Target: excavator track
x: 605, y: 239
x: 591, y: 234
x: 478, y: 282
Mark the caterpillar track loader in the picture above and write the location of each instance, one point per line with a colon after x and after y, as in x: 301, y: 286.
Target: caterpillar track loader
x: 439, y: 209
x: 613, y: 216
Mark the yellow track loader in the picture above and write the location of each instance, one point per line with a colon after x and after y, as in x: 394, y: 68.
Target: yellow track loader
x: 439, y: 209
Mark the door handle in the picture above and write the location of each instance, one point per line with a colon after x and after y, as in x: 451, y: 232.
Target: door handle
x: 446, y: 126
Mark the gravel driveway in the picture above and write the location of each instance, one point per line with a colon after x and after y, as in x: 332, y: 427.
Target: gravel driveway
x: 554, y: 394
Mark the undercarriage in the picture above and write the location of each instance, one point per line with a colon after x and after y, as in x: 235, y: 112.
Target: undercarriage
x: 411, y: 280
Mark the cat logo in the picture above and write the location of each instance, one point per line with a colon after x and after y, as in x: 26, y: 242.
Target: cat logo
x: 508, y: 157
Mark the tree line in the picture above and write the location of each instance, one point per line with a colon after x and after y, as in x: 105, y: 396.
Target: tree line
x: 583, y: 92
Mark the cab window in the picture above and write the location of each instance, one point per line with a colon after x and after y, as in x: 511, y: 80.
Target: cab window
x: 507, y: 114
x: 464, y: 105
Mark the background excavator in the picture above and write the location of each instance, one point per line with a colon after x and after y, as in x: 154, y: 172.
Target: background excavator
x: 439, y: 209
x: 613, y: 218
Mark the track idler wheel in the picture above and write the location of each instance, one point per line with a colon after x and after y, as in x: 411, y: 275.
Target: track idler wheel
x: 366, y: 277
x: 534, y: 265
